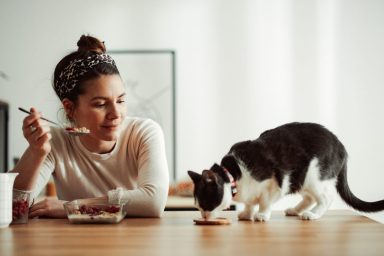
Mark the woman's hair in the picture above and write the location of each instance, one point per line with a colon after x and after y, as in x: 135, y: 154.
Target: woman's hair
x: 89, y: 62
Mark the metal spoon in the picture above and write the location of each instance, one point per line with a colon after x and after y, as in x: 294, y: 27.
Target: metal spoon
x: 69, y: 130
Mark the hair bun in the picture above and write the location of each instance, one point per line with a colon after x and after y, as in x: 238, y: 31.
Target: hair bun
x: 90, y: 44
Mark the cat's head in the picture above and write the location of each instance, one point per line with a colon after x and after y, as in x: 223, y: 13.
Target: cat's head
x: 212, y: 191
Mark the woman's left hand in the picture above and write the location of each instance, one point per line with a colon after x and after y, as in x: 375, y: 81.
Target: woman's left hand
x: 48, y: 207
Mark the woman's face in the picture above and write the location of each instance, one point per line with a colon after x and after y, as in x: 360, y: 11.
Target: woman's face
x: 101, y: 109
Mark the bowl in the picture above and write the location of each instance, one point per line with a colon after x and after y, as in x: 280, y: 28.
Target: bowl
x: 80, y: 211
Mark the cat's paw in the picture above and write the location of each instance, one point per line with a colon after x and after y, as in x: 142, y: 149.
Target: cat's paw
x: 245, y: 215
x: 307, y: 215
x: 262, y: 217
x: 291, y: 212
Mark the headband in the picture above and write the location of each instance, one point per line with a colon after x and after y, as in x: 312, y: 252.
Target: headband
x: 71, y: 74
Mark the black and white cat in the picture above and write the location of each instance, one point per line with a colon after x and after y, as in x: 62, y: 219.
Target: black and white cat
x: 303, y: 158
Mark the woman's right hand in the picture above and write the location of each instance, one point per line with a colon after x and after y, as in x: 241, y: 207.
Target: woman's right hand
x: 48, y: 207
x: 37, y: 133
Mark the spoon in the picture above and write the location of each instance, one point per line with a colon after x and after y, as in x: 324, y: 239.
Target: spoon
x: 70, y: 130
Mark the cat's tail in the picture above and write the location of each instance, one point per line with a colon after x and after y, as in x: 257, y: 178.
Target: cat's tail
x: 347, y: 195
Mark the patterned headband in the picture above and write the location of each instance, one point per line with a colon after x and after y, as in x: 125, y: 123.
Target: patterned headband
x: 71, y: 74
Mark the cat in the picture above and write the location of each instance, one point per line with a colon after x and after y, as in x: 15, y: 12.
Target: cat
x: 303, y: 158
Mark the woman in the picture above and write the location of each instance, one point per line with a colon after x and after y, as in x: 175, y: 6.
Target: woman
x: 122, y: 159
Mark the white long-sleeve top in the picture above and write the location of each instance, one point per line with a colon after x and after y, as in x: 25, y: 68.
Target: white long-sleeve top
x: 137, y: 164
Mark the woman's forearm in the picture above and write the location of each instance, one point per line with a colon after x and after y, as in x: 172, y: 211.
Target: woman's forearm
x: 147, y: 201
x: 37, y: 132
x: 28, y: 169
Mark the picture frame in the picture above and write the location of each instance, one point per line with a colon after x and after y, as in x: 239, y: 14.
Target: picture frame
x: 150, y: 80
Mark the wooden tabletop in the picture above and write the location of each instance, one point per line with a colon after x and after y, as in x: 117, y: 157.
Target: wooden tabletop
x: 337, y: 233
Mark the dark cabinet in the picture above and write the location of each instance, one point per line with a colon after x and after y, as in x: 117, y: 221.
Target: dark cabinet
x: 4, y: 110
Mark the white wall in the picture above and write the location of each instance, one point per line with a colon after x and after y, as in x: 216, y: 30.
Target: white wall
x: 243, y: 67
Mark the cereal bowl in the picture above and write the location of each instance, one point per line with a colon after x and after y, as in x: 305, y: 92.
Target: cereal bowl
x: 80, y: 211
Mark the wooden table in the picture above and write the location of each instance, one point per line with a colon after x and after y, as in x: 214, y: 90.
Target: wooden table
x: 337, y: 233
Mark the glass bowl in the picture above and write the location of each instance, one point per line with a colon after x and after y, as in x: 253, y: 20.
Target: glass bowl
x: 80, y: 211
x: 20, y: 206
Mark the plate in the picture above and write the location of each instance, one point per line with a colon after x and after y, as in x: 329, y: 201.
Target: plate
x: 216, y: 221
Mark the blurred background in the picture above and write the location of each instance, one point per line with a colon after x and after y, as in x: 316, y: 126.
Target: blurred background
x: 241, y: 67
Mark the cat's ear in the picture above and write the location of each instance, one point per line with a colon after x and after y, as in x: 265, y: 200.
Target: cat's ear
x: 194, y: 176
x: 216, y: 167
